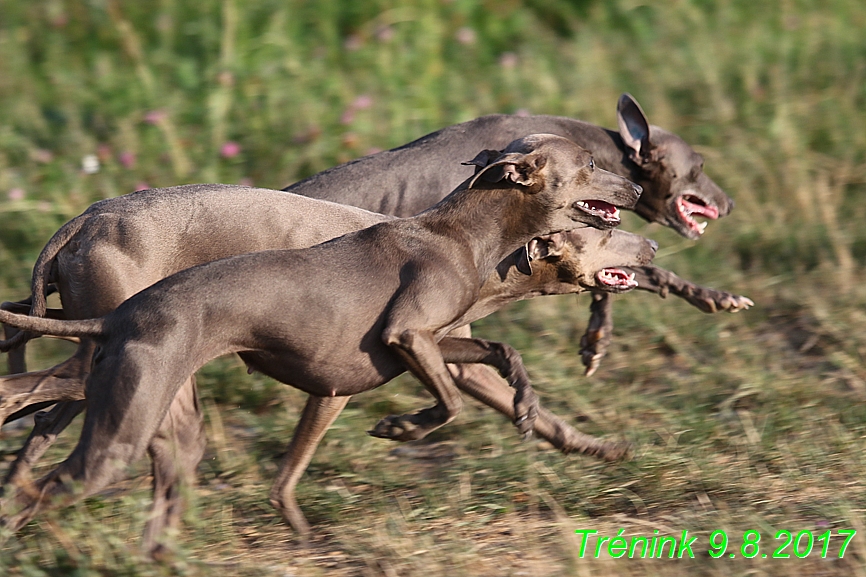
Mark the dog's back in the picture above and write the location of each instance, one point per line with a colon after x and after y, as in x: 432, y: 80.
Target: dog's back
x: 417, y: 175
x: 138, y: 239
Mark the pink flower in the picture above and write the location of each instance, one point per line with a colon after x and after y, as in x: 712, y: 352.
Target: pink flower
x: 385, y: 33
x: 348, y: 116
x: 16, y: 194
x: 43, y: 156
x: 226, y: 79
x: 307, y: 136
x: 466, y: 36
x: 521, y: 112
x: 352, y: 42
x: 103, y: 152
x: 373, y: 150
x: 155, y: 116
x: 508, y: 60
x: 127, y: 159
x: 363, y: 102
x: 141, y: 186
x: 230, y: 149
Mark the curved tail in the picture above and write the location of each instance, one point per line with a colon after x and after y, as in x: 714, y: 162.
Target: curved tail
x: 58, y: 328
x: 38, y: 283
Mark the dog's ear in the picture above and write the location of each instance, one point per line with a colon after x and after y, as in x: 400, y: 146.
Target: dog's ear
x: 634, y: 128
x: 515, y: 167
x: 482, y: 159
x: 538, y: 248
x: 546, y: 246
x: 523, y: 259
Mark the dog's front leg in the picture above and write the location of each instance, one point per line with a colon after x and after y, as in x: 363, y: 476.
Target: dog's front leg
x: 594, y: 343
x: 507, y: 361
x: 175, y: 451
x: 596, y: 339
x: 509, y: 364
x: 421, y: 354
x: 481, y: 382
x: 662, y: 282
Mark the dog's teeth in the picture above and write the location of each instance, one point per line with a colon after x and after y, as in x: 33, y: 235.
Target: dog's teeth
x: 582, y: 204
x: 702, y: 227
x: 631, y: 277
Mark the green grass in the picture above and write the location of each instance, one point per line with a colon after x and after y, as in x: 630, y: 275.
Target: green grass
x: 748, y: 421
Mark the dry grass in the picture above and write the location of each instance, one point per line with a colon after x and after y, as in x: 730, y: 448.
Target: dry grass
x: 753, y: 421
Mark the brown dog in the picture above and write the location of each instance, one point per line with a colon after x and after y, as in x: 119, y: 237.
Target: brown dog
x: 333, y: 320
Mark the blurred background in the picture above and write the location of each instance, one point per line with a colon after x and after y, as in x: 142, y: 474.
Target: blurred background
x: 754, y: 421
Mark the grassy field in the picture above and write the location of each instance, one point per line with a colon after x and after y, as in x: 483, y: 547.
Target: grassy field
x: 748, y: 422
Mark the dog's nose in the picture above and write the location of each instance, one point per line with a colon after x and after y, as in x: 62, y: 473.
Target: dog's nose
x: 638, y: 189
x: 654, y: 245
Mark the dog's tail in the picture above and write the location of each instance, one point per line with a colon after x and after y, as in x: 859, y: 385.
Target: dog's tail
x: 54, y: 327
x: 41, y: 270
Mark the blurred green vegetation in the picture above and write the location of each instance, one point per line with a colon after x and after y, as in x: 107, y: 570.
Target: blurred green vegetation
x: 753, y: 421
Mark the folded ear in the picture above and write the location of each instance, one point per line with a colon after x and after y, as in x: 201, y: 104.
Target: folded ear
x: 538, y: 248
x: 516, y: 167
x: 523, y: 259
x: 633, y: 128
x: 483, y: 158
x: 546, y: 246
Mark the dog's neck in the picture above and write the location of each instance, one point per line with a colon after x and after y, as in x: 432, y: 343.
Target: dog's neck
x: 491, y: 219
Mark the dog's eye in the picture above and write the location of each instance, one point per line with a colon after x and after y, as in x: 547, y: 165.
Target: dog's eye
x: 591, y: 164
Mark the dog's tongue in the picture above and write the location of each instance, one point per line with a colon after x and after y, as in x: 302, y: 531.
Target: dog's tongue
x: 688, y: 205
x: 617, y: 278
x: 600, y: 208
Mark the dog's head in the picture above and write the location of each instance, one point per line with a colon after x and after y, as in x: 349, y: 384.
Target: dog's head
x: 586, y: 258
x: 671, y: 174
x: 562, y: 178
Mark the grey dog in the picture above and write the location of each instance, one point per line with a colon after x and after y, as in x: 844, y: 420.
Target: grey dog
x: 333, y: 320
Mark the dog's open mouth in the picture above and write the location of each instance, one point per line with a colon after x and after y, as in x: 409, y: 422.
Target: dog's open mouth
x: 688, y: 205
x: 603, y: 210
x: 616, y: 278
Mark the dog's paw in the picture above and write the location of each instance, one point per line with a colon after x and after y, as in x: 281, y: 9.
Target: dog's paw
x: 735, y: 303
x: 713, y: 301
x: 525, y: 411
x: 593, y: 347
x: 615, y: 451
x: 398, y: 428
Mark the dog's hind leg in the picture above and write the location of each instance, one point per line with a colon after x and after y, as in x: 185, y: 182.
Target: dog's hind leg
x: 175, y: 452
x: 127, y: 400
x: 16, y: 359
x: 48, y: 424
x: 318, y: 415
x: 63, y: 382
